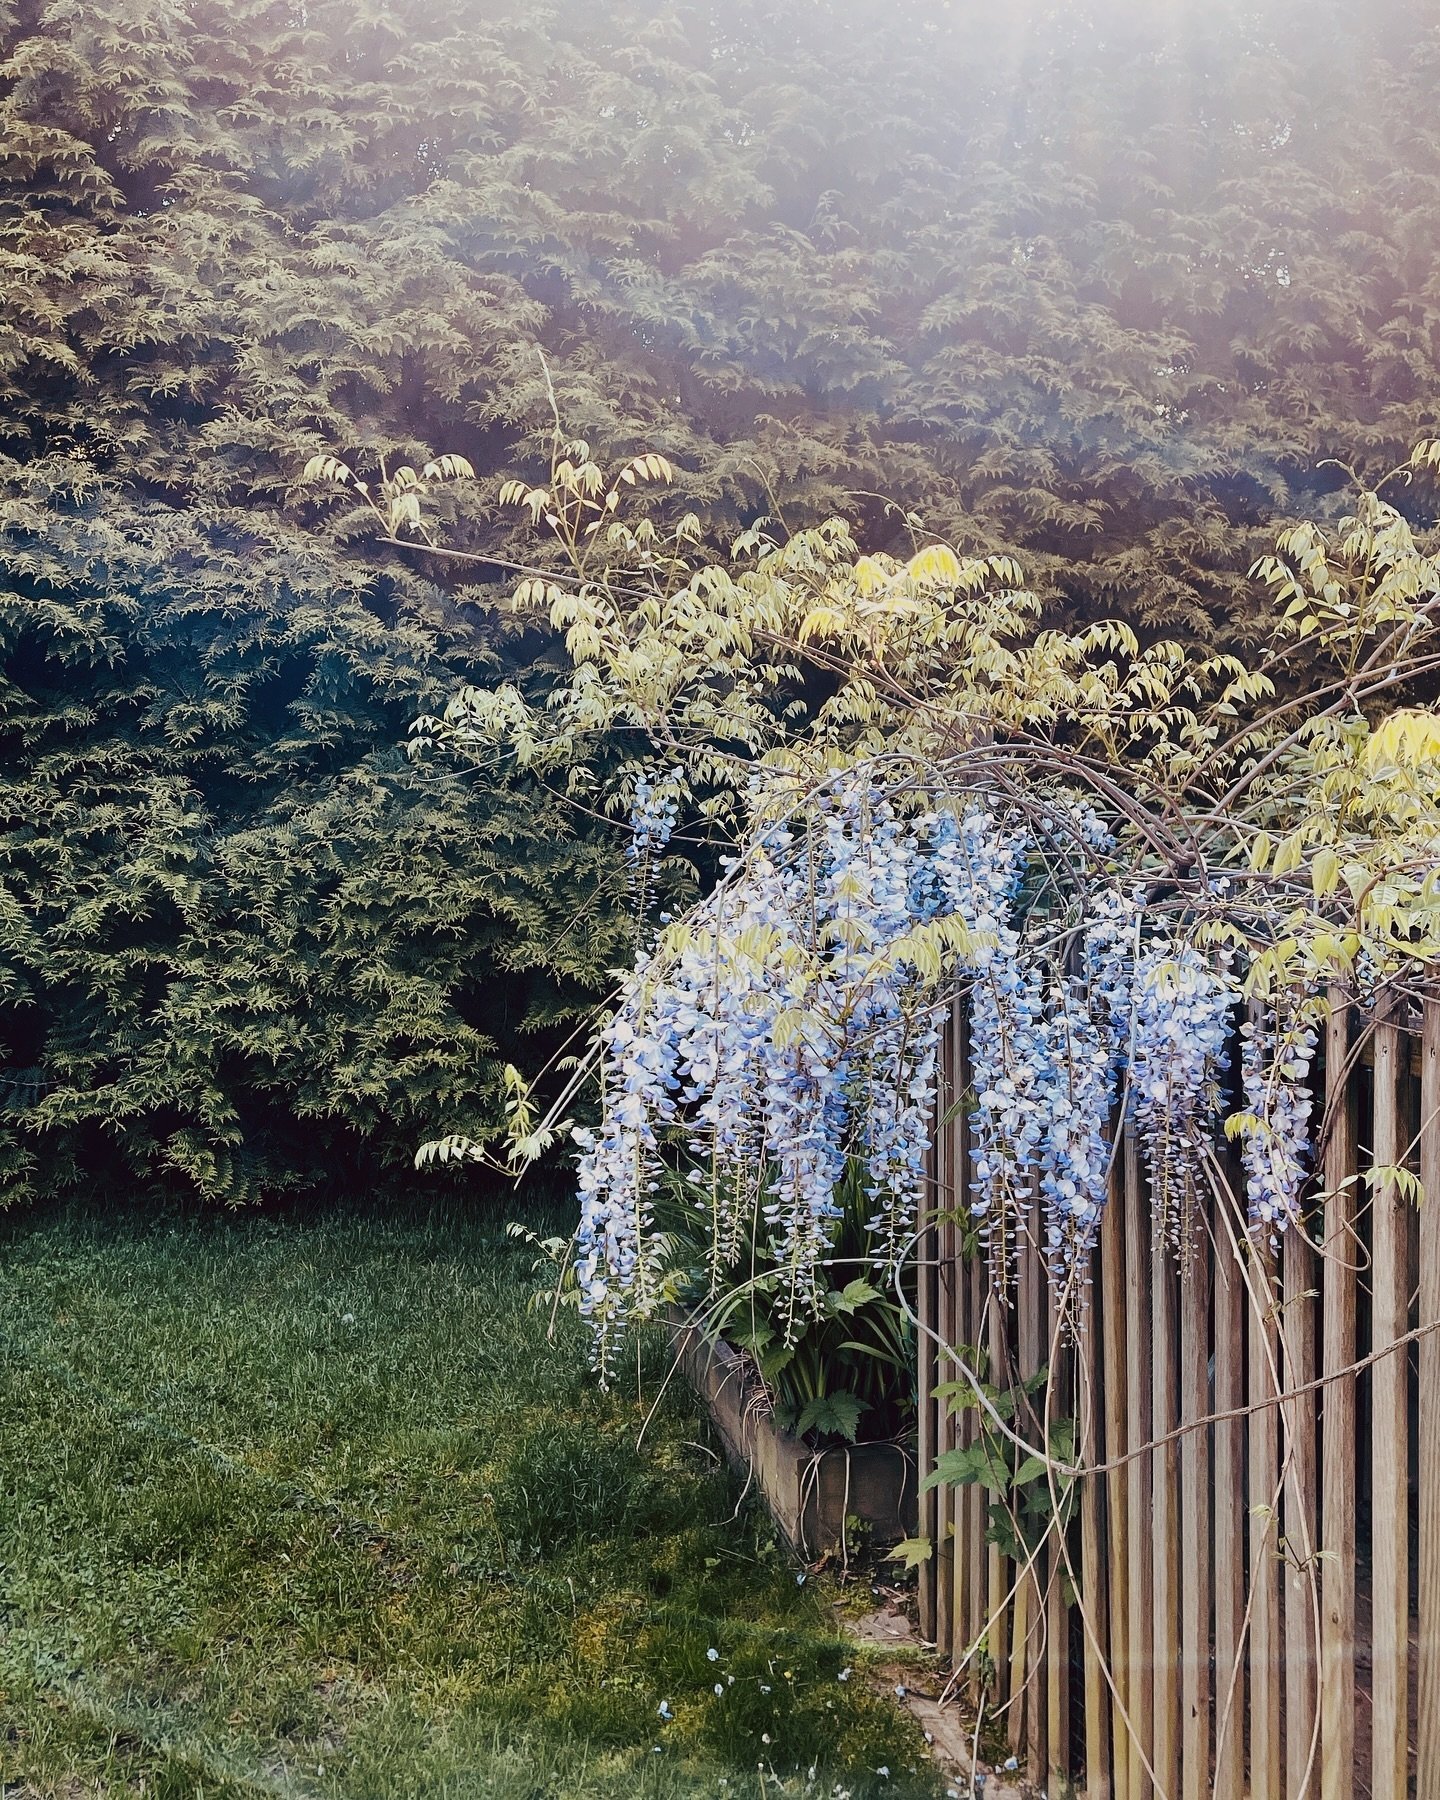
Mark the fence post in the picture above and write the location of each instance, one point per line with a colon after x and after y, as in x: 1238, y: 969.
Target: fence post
x: 946, y: 1316
x: 1027, y: 1661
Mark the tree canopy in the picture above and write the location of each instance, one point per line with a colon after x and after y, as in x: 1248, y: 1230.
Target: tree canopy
x: 1099, y: 285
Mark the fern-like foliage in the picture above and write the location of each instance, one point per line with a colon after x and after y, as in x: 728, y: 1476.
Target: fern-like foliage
x: 1071, y: 282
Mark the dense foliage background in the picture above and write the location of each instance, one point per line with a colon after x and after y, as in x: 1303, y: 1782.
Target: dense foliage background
x: 1104, y: 285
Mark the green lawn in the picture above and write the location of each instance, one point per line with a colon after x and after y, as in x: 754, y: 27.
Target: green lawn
x: 308, y: 1506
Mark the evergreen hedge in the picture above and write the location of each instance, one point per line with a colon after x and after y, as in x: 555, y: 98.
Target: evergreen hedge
x: 1101, y: 284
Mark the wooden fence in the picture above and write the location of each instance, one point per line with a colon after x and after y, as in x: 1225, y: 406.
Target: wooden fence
x: 1244, y: 1598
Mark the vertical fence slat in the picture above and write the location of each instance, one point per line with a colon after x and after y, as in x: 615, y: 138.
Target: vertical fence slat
x: 1027, y: 1665
x: 926, y: 1271
x: 1389, y: 1433
x: 1057, y: 1614
x: 1338, y: 1512
x: 946, y: 1439
x: 1099, y: 1635
x: 1262, y: 1432
x: 1297, y: 1335
x: 997, y: 1569
x: 947, y: 1325
x: 974, y: 1495
x: 1165, y: 1517
x: 955, y: 1199
x: 1057, y: 1675
x: 1427, y: 1710
x: 1111, y: 1404
x: 957, y: 1553
x: 1139, y: 1693
x: 1229, y: 1302
x: 1194, y: 1521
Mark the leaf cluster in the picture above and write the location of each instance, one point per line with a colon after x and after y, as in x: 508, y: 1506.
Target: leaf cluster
x: 845, y: 1371
x: 1030, y: 1498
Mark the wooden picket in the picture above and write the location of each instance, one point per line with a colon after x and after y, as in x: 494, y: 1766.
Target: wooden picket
x: 1232, y: 1606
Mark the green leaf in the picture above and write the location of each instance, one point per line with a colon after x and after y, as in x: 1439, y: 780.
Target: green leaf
x: 912, y: 1552
x: 837, y: 1414
x: 855, y: 1294
x: 1324, y: 872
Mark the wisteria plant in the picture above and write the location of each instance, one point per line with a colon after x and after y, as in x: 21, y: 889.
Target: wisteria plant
x: 904, y: 785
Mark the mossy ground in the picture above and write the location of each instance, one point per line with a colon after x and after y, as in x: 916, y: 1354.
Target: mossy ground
x: 307, y: 1505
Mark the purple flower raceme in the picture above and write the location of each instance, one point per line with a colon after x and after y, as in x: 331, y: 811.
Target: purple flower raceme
x: 652, y: 821
x: 1183, y: 1011
x: 794, y: 1024
x: 1277, y: 1049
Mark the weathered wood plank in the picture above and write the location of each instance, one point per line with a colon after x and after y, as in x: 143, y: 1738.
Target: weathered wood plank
x: 1194, y: 1520
x: 946, y: 1323
x: 1263, y: 1501
x: 1338, y: 1506
x: 1098, y: 1633
x: 1298, y: 1415
x: 1057, y: 1676
x: 999, y: 1572
x: 1112, y: 1406
x: 1427, y: 1709
x: 1139, y: 1690
x: 1027, y: 1666
x: 1389, y: 1434
x: 926, y: 1272
x: 1229, y: 1450
x: 1165, y: 1519
x: 974, y: 1497
x: 962, y: 1605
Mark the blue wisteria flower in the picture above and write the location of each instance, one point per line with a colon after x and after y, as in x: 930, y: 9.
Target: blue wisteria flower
x: 794, y: 1024
x: 1277, y: 1049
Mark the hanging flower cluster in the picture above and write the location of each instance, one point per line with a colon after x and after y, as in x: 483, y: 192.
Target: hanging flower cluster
x: 1047, y: 1028
x: 1183, y: 1011
x: 784, y: 1031
x: 1277, y: 1049
x: 793, y: 1023
x: 652, y: 821
x: 983, y: 869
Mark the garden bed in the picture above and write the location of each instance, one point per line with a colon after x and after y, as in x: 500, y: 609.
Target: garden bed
x: 815, y: 1495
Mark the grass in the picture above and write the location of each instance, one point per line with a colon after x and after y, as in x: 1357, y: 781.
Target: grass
x: 308, y: 1506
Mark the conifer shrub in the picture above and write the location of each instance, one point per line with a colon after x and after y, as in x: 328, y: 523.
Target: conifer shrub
x: 1083, y: 284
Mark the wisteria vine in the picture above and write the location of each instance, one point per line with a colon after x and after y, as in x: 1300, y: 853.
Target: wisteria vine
x: 793, y: 1024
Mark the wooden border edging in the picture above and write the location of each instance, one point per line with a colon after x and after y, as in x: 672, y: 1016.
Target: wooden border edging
x: 810, y: 1493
